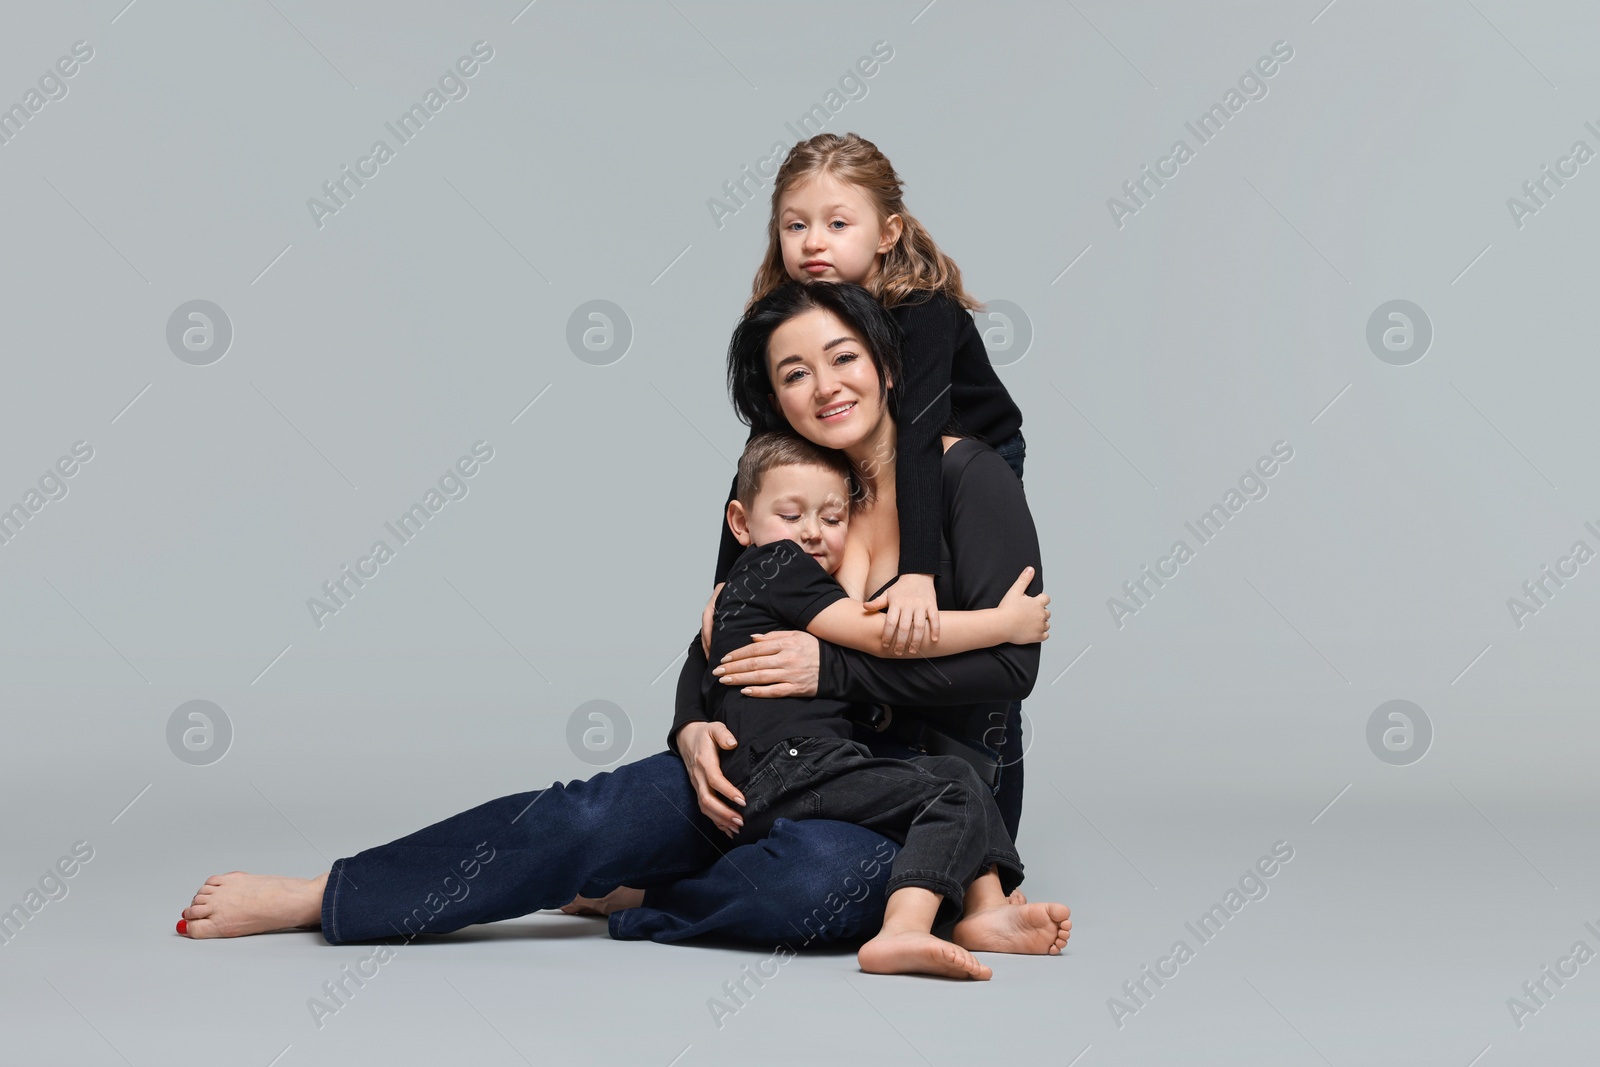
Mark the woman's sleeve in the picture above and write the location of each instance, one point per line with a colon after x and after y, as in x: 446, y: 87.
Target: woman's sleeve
x: 992, y: 537
x: 923, y: 410
x: 688, y: 706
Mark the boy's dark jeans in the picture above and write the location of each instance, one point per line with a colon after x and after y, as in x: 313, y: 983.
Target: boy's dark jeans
x: 935, y: 807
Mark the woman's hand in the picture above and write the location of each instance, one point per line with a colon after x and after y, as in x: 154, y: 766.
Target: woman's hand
x: 910, y: 611
x: 1027, y: 617
x: 700, y: 745
x: 706, y: 617
x: 784, y: 663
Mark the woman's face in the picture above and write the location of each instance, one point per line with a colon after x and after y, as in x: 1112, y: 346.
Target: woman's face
x: 825, y: 381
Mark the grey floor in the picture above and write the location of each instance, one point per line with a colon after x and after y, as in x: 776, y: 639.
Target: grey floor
x: 1395, y: 935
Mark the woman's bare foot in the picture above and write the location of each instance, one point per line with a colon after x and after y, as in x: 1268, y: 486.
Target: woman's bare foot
x: 1028, y: 929
x: 619, y: 899
x: 236, y: 904
x: 918, y: 953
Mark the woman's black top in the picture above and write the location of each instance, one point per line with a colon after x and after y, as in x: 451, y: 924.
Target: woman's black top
x: 946, y: 381
x: 986, y: 538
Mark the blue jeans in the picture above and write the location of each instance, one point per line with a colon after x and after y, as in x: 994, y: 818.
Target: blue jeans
x: 1012, y: 450
x: 639, y: 825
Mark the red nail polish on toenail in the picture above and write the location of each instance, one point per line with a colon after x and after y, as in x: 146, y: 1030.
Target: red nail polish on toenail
x: 183, y: 927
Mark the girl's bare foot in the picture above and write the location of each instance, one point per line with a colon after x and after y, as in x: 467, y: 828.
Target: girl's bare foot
x: 918, y: 953
x: 1028, y: 929
x: 236, y: 904
x: 619, y: 899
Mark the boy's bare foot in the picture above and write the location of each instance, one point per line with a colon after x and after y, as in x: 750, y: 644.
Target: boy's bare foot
x: 236, y: 904
x: 619, y: 899
x: 919, y: 953
x: 1028, y: 929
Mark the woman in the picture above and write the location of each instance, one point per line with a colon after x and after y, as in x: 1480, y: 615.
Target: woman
x: 646, y: 824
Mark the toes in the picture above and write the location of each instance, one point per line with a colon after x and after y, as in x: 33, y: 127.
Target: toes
x: 968, y: 963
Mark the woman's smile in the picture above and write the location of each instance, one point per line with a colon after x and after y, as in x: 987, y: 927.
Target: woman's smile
x: 836, y: 412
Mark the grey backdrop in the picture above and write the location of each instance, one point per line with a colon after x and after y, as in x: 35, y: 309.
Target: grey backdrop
x: 1158, y: 350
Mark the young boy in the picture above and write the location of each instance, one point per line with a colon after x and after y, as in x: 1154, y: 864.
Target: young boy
x: 795, y: 758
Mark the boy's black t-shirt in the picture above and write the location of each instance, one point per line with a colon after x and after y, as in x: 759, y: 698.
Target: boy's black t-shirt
x: 776, y: 586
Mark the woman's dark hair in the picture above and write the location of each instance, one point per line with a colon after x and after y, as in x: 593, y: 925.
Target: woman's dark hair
x: 748, y: 382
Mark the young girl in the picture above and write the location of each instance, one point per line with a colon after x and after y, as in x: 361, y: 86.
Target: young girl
x: 838, y: 216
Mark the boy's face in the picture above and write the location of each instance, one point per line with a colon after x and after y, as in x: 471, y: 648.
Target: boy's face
x: 797, y: 502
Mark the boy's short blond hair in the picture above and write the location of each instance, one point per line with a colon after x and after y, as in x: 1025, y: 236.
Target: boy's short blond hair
x: 783, y: 449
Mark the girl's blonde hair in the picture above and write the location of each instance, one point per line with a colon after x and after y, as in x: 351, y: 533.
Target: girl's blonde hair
x: 914, y: 262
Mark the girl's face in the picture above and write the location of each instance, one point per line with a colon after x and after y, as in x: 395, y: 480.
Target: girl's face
x: 829, y: 230
x: 825, y: 381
